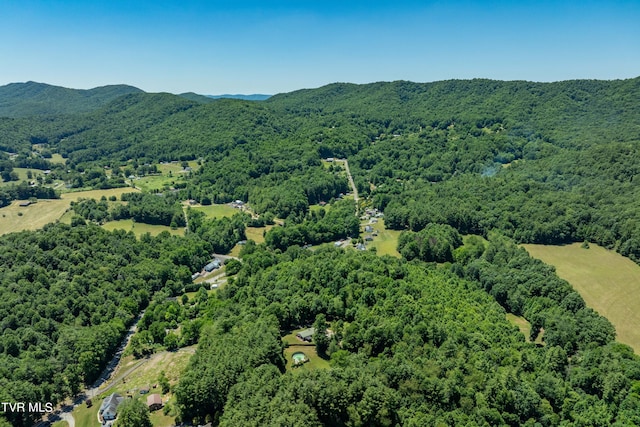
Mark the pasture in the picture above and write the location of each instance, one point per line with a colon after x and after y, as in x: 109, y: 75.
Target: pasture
x: 216, y: 211
x: 608, y: 282
x: 57, y: 158
x: 17, y: 218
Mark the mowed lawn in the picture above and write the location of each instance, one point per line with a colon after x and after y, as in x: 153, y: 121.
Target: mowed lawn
x: 309, y: 349
x: 386, y: 242
x: 37, y: 215
x: 608, y: 282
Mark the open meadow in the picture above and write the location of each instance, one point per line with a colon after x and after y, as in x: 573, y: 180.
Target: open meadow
x: 608, y: 282
x: 17, y: 218
x: 216, y: 211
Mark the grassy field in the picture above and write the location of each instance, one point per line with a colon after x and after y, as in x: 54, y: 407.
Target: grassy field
x: 87, y: 417
x: 57, y: 158
x: 22, y: 174
x: 386, y: 242
x: 17, y: 218
x: 60, y: 424
x: 256, y: 233
x: 608, y: 282
x: 140, y: 228
x: 170, y: 173
x: 216, y: 211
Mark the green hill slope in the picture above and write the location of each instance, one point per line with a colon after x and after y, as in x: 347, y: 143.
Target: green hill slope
x: 33, y: 99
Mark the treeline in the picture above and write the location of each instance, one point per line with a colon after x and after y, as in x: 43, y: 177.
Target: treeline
x: 156, y: 209
x: 159, y: 209
x: 412, y: 345
x: 24, y: 191
x: 220, y: 234
x: 320, y: 226
x: 434, y: 243
x: 561, y: 198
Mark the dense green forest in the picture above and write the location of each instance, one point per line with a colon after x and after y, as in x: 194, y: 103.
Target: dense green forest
x: 414, y: 342
x: 36, y: 99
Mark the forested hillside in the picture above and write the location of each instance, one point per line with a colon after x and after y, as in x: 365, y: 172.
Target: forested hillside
x: 39, y: 99
x: 411, y: 342
x: 412, y: 345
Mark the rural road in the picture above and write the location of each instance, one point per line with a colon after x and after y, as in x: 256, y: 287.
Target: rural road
x: 351, y: 183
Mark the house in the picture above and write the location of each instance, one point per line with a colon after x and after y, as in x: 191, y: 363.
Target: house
x: 361, y: 247
x: 194, y: 276
x: 213, y: 265
x: 154, y: 402
x: 109, y: 407
x: 306, y: 335
x: 368, y: 229
x: 24, y: 204
x: 368, y: 238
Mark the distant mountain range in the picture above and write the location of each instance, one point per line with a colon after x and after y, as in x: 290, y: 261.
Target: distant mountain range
x: 41, y: 99
x: 253, y: 97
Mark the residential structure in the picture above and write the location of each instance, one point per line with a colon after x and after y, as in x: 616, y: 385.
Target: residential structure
x: 109, y: 407
x: 306, y: 335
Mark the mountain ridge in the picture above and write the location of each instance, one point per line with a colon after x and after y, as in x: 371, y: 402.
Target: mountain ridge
x: 42, y: 99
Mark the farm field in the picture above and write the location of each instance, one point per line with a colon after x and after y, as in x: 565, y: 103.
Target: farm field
x: 608, y: 282
x: 17, y: 218
x: 140, y: 228
x: 216, y: 211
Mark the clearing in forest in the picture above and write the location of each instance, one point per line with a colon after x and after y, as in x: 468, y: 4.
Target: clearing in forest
x: 608, y: 282
x: 17, y: 218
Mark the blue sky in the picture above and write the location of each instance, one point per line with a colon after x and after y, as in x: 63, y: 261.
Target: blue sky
x: 225, y: 46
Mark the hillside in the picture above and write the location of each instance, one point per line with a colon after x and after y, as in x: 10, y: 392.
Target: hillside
x: 39, y: 99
